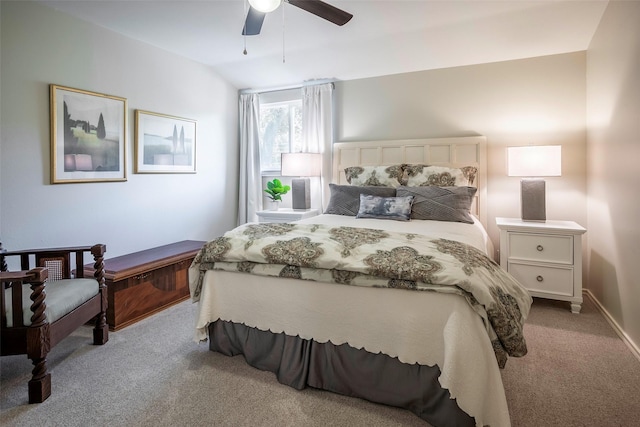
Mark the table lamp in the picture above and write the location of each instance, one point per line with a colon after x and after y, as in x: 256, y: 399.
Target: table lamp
x: 301, y: 165
x: 534, y: 162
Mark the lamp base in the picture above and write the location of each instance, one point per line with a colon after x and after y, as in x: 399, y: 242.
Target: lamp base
x: 300, y: 193
x: 532, y: 198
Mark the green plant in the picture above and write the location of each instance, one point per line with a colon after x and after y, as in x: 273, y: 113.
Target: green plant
x: 275, y: 190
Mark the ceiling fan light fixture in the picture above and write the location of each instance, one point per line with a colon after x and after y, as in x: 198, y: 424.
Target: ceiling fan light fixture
x: 265, y: 6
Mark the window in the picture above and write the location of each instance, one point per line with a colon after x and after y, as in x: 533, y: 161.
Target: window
x: 280, y: 132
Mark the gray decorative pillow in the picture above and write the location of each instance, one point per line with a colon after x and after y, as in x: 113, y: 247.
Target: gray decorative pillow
x: 396, y: 208
x: 440, y: 203
x: 378, y: 176
x: 345, y: 199
x: 425, y: 175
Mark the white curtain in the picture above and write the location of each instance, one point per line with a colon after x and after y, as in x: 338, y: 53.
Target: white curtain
x: 250, y: 192
x: 317, y: 132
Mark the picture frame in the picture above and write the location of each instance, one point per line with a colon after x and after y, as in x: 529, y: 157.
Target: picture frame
x: 88, y: 136
x: 164, y: 143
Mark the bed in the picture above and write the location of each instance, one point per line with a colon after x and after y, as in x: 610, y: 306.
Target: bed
x: 411, y: 313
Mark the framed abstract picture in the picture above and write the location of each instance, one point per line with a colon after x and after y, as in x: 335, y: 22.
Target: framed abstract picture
x: 88, y: 136
x: 164, y: 144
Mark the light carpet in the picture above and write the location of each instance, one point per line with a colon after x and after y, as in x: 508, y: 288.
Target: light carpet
x: 577, y: 373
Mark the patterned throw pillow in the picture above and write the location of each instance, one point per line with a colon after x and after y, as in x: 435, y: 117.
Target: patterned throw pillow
x: 396, y: 208
x: 345, y: 199
x: 425, y: 175
x: 378, y: 176
x: 440, y: 203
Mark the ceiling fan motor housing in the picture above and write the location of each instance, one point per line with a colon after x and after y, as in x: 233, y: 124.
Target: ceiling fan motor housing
x: 259, y: 8
x: 265, y: 6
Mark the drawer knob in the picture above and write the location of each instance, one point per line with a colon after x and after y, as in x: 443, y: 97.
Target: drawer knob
x: 539, y: 248
x: 539, y: 278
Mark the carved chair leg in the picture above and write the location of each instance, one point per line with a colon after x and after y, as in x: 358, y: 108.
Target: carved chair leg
x: 39, y: 341
x: 40, y: 383
x: 101, y: 330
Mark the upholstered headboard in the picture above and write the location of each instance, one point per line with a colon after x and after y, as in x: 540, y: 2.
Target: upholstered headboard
x: 452, y: 152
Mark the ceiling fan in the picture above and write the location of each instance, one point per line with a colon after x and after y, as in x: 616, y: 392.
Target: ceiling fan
x: 259, y: 8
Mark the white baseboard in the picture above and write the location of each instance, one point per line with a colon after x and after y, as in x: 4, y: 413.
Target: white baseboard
x: 621, y: 333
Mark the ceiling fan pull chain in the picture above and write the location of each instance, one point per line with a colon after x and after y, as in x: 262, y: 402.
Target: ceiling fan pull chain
x: 244, y: 35
x: 283, y: 28
x: 244, y: 52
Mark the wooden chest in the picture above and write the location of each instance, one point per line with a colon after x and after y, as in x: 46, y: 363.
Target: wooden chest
x: 142, y: 283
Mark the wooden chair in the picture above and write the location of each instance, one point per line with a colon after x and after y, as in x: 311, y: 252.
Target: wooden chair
x: 59, y: 304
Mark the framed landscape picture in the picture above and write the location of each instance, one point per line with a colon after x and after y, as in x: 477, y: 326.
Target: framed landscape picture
x: 88, y: 136
x: 164, y: 144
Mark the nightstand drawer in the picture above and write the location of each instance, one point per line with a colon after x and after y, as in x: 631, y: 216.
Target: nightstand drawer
x: 535, y: 278
x: 541, y: 247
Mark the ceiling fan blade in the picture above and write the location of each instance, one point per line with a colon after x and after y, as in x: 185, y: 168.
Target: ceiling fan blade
x: 253, y: 23
x: 323, y: 10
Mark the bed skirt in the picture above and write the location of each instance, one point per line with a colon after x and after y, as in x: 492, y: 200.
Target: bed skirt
x: 342, y: 369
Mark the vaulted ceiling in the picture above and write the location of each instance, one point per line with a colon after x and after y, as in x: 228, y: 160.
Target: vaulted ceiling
x: 384, y: 37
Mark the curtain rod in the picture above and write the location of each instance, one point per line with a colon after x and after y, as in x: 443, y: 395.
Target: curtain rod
x: 295, y: 86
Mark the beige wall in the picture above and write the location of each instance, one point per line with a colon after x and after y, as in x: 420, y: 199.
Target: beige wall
x: 531, y: 101
x: 41, y: 46
x: 613, y: 105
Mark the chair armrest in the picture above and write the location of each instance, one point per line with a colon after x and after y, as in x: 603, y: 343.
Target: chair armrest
x: 36, y: 278
x: 38, y: 274
x: 47, y: 250
x: 60, y: 256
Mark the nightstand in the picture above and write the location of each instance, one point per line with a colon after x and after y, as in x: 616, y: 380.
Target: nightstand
x: 545, y: 257
x: 286, y: 215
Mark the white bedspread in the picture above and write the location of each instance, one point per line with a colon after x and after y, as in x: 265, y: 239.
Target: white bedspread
x: 416, y: 327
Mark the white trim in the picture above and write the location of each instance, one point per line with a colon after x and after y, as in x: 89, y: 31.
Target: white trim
x: 635, y: 350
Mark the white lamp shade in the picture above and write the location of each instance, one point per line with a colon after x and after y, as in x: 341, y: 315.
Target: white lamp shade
x: 265, y: 6
x: 301, y: 164
x: 535, y: 160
